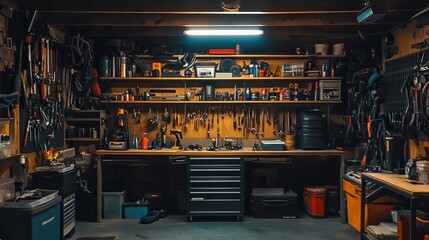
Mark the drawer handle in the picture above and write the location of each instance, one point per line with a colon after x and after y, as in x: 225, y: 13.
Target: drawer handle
x: 215, y: 170
x: 215, y: 181
x: 215, y: 192
x: 48, y: 221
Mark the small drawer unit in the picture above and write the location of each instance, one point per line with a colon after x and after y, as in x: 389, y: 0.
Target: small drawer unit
x: 215, y: 186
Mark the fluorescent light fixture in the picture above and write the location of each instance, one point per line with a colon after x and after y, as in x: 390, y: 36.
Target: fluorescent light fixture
x: 224, y: 32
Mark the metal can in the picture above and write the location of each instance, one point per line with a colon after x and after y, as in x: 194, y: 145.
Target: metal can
x: 281, y: 95
x: 256, y: 70
x: 261, y: 73
x: 248, y: 94
x: 264, y: 94
x: 287, y: 94
x: 251, y: 70
x: 325, y: 69
x: 123, y: 66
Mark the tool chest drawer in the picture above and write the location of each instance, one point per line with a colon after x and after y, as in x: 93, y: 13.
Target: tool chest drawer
x: 210, y: 207
x: 215, y: 186
x: 213, y: 182
x: 214, y: 171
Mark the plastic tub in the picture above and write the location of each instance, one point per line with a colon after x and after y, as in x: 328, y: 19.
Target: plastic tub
x: 112, y: 204
x: 423, y: 172
x: 338, y: 49
x: 7, y: 189
x: 321, y: 49
x: 135, y: 210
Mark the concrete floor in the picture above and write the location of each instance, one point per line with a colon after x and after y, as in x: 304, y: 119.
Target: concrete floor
x: 176, y: 227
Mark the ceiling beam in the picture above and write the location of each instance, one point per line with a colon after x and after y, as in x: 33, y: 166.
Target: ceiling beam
x: 171, y: 20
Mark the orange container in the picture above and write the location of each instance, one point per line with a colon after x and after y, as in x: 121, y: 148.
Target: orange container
x: 374, y: 213
x: 314, y: 201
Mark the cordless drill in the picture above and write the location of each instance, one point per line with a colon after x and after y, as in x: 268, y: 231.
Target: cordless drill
x: 178, y: 135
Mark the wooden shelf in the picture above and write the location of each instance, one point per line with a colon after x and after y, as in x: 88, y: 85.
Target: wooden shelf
x: 224, y: 102
x: 5, y: 120
x: 86, y: 111
x: 82, y: 120
x: 257, y: 56
x: 135, y: 79
x: 83, y: 139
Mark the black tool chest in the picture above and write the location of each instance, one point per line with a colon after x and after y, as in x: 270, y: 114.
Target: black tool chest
x: 215, y: 186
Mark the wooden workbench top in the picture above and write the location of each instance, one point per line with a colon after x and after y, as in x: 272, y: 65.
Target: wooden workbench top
x: 244, y: 152
x: 399, y: 182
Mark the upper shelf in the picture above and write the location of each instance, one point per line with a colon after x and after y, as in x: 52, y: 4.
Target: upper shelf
x: 256, y: 56
x: 135, y: 79
x: 5, y: 120
x: 224, y: 102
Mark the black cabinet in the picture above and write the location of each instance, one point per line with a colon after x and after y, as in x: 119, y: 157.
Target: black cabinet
x: 215, y: 186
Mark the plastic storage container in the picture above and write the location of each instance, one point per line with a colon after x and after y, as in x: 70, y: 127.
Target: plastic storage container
x: 339, y: 49
x: 378, y: 211
x: 135, y: 210
x: 205, y: 69
x: 332, y: 200
x: 112, y: 204
x: 321, y: 49
x: 7, y: 189
x: 314, y: 201
x: 274, y: 203
x: 423, y: 172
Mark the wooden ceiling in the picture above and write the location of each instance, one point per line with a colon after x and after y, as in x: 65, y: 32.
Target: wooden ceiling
x: 309, y: 20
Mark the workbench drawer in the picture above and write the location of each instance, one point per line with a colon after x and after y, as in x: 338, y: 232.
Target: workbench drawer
x: 215, y: 206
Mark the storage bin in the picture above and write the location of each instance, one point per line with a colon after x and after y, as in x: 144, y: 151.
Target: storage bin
x: 374, y: 213
x: 205, y: 69
x: 321, y: 49
x: 274, y: 203
x: 112, y: 204
x: 7, y: 189
x: 332, y: 200
x: 134, y: 210
x: 314, y: 201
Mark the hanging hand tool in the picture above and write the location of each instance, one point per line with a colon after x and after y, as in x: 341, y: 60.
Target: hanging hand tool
x: 43, y: 67
x: 212, y: 112
x: 263, y: 122
x: 33, y: 86
x: 268, y: 117
x: 217, y: 121
x: 253, y: 129
x: 208, y: 129
x: 27, y: 131
x: 316, y: 90
x: 274, y: 121
x: 235, y: 119
x: 257, y: 116
x: 282, y: 132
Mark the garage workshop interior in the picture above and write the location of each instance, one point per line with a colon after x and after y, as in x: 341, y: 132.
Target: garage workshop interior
x: 216, y: 119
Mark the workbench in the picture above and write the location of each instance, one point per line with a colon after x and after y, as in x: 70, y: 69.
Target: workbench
x: 399, y: 185
x: 245, y: 152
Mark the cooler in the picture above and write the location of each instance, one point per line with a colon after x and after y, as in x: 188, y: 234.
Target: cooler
x: 274, y: 203
x: 314, y: 201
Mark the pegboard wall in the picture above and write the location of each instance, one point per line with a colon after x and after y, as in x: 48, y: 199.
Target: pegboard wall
x: 397, y: 71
